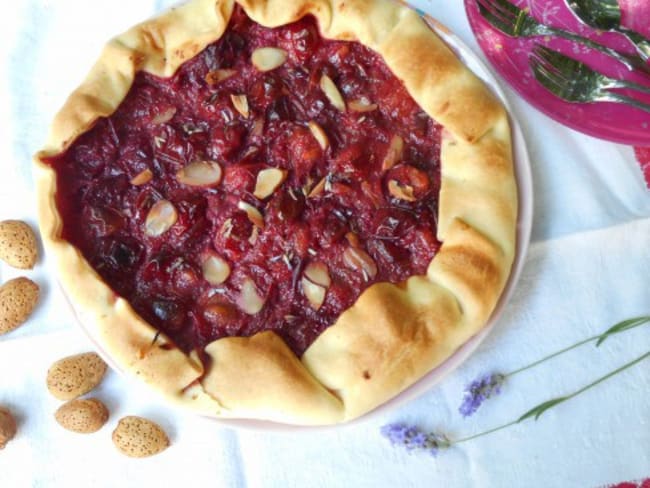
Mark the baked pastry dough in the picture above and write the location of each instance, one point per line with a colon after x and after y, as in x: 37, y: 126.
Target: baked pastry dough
x: 394, y: 333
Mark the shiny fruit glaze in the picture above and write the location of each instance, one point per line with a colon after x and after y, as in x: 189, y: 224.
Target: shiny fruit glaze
x: 164, y: 198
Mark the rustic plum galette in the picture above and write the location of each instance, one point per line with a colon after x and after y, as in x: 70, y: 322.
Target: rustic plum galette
x: 280, y: 209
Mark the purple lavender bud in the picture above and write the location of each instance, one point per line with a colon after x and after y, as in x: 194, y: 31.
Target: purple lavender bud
x: 413, y: 438
x: 480, y: 390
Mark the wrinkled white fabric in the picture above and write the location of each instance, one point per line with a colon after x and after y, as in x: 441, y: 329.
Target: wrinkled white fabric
x: 588, y: 267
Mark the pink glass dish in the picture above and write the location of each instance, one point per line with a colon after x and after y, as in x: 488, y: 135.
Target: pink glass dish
x: 610, y: 121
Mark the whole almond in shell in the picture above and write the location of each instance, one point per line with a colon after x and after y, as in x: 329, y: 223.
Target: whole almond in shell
x: 83, y: 416
x: 7, y: 427
x: 74, y: 376
x: 18, y: 297
x: 18, y: 246
x: 138, y: 437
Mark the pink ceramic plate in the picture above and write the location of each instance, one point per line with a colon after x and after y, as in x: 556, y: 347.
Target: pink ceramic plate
x: 614, y: 122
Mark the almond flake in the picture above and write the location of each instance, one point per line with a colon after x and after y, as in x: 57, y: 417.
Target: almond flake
x: 142, y: 177
x: 249, y: 299
x: 359, y: 260
x: 362, y: 105
x: 332, y: 92
x: 200, y: 173
x: 253, y: 214
x: 268, y: 180
x: 255, y: 233
x: 318, y: 189
x: 317, y: 273
x: 215, y: 270
x: 268, y: 58
x: 319, y: 134
x: 353, y: 239
x: 218, y: 75
x: 315, y: 293
x: 159, y: 141
x: 258, y: 127
x: 164, y: 116
x: 160, y: 218
x: 403, y: 192
x: 240, y: 102
x: 394, y: 153
x: 226, y: 228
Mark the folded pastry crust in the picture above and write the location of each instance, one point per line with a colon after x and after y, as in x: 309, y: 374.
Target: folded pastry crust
x: 393, y: 334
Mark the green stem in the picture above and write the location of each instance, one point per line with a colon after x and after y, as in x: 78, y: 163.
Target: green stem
x: 628, y: 325
x: 481, y: 434
x: 607, y: 376
x: 562, y: 351
x: 561, y: 400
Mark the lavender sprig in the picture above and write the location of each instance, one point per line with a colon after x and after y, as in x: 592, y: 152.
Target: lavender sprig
x: 413, y: 438
x: 490, y: 385
x: 480, y: 390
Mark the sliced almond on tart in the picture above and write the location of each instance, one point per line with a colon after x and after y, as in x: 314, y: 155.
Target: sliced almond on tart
x: 318, y: 273
x: 240, y: 102
x: 160, y: 218
x: 362, y: 105
x: 394, y: 154
x: 315, y: 293
x: 358, y: 259
x: 319, y: 134
x: 218, y: 75
x: 253, y: 214
x: 332, y: 92
x: 200, y: 173
x: 164, y: 116
x: 268, y: 58
x: 403, y: 192
x: 268, y: 180
x: 142, y: 178
x: 215, y: 269
x: 249, y: 299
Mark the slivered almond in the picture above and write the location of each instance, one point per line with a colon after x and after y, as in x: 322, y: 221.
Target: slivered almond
x: 160, y: 218
x: 215, y: 270
x: 394, y: 153
x: 240, y: 102
x: 255, y: 233
x: 315, y: 293
x: 268, y: 180
x: 268, y: 58
x: 164, y: 116
x: 319, y: 134
x: 317, y: 273
x: 258, y: 127
x: 332, y: 92
x: 362, y: 105
x: 359, y: 260
x: 353, y: 239
x: 253, y: 214
x: 142, y: 178
x: 226, y: 228
x: 318, y: 189
x: 200, y: 173
x: 403, y: 192
x: 218, y: 75
x: 249, y: 299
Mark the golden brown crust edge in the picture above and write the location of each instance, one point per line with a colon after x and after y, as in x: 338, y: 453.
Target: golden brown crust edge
x: 370, y: 354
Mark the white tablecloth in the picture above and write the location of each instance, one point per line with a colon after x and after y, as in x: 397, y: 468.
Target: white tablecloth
x: 588, y: 267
